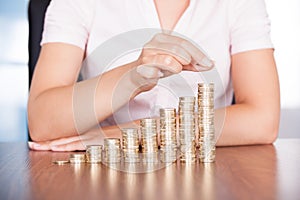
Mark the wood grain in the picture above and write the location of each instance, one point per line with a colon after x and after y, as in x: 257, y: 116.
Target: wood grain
x: 248, y: 172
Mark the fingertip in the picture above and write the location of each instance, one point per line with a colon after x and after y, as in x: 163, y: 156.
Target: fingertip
x: 38, y: 147
x: 203, y: 64
x: 30, y: 145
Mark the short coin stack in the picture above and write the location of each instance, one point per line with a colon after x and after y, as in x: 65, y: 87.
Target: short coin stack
x: 187, y: 131
x: 149, y: 140
x: 112, y: 150
x: 130, y: 144
x: 206, y: 128
x: 77, y: 158
x: 94, y: 153
x: 168, y: 140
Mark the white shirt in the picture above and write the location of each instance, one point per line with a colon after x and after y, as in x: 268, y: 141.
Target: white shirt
x: 220, y: 27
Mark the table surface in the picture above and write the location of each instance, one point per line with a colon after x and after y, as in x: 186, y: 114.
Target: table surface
x: 246, y: 172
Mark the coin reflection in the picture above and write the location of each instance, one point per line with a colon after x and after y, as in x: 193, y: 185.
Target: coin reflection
x: 208, y: 185
x: 95, y: 176
x: 188, y: 174
x: 130, y: 183
x: 150, y: 186
x: 169, y: 182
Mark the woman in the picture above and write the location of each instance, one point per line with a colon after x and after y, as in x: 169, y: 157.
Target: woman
x: 235, y: 33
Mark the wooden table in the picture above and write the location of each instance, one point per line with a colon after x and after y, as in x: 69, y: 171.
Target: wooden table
x: 247, y: 172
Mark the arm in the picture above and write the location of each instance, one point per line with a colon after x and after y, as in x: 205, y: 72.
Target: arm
x: 79, y: 142
x: 50, y: 107
x: 254, y: 119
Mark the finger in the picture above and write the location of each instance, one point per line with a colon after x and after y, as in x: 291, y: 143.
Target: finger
x: 190, y: 67
x: 199, y: 59
x: 64, y: 140
x: 158, y: 66
x: 43, y: 146
x: 176, y: 51
x: 149, y: 71
x: 73, y: 146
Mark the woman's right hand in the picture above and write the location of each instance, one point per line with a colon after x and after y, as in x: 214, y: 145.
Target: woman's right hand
x: 164, y: 56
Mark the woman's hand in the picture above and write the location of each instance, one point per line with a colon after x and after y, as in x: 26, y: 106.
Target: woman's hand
x: 164, y: 56
x: 73, y: 143
x: 77, y: 143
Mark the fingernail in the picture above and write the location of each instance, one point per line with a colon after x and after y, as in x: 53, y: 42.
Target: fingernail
x: 30, y: 144
x: 206, y: 62
x: 36, y: 144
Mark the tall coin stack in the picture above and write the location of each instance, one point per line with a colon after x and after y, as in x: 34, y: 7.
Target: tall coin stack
x: 149, y: 140
x: 206, y: 126
x: 168, y: 140
x: 187, y: 131
x: 112, y: 150
x: 130, y: 144
x: 93, y: 153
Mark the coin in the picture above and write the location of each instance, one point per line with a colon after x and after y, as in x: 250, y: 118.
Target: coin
x: 61, y: 162
x: 77, y: 158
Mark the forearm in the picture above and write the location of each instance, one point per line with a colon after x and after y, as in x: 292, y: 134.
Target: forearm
x: 50, y: 115
x: 247, y: 124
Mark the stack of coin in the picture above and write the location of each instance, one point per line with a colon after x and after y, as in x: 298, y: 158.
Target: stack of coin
x: 130, y: 144
x: 187, y: 131
x: 93, y: 153
x: 168, y: 140
x: 77, y: 158
x: 149, y: 140
x: 112, y: 150
x: 207, y: 150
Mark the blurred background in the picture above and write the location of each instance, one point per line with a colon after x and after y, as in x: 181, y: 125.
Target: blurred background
x: 285, y: 18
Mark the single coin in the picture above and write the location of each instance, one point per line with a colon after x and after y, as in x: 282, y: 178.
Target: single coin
x: 61, y: 162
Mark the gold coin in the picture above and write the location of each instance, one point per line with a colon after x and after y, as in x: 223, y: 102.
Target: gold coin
x: 61, y: 162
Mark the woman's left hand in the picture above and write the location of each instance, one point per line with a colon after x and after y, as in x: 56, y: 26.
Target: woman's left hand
x: 77, y: 143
